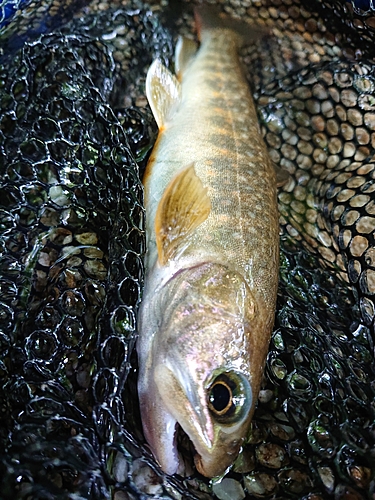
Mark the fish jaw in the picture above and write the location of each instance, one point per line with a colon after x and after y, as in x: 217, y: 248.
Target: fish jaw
x: 159, y: 427
x: 161, y: 413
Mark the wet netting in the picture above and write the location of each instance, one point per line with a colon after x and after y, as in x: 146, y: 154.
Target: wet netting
x: 75, y: 133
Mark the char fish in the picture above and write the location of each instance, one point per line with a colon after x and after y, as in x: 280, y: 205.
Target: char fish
x: 213, y: 253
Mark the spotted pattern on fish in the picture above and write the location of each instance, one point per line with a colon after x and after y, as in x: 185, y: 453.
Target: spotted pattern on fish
x: 220, y: 280
x: 229, y: 140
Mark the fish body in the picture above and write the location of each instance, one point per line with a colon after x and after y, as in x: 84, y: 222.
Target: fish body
x: 212, y: 259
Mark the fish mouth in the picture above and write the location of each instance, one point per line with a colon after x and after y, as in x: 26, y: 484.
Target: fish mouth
x: 182, y: 451
x: 194, y: 433
x: 177, y: 453
x: 186, y: 453
x: 174, y: 429
x: 164, y: 444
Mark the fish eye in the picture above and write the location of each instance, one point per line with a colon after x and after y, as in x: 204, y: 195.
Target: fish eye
x: 229, y: 397
x: 220, y: 398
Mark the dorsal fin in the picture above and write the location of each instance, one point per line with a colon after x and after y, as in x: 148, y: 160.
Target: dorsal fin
x: 183, y: 207
x: 163, y: 92
x: 185, y: 51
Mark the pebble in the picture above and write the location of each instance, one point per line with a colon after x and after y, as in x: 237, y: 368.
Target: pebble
x: 283, y: 432
x: 228, y: 489
x: 327, y: 477
x: 265, y: 396
x: 145, y: 479
x: 87, y: 238
x: 123, y: 495
x: 271, y: 455
x: 120, y: 468
x: 245, y: 461
x: 260, y: 484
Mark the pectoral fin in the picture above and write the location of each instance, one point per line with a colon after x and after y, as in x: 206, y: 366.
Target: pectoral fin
x: 163, y: 92
x: 183, y: 207
x: 185, y: 51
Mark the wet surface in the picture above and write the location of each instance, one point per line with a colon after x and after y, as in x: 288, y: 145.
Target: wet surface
x: 74, y: 134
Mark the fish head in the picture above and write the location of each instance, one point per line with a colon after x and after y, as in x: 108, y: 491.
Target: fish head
x: 203, y: 371
x: 214, y: 414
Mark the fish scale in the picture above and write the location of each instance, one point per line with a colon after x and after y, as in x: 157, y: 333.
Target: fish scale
x: 228, y: 162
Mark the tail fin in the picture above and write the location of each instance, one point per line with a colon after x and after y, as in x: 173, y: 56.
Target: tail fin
x: 208, y: 18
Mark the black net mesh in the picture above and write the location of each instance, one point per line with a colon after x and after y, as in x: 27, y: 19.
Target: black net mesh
x: 75, y: 132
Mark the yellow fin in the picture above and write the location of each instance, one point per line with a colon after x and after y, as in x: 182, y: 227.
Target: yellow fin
x: 163, y: 92
x: 185, y: 51
x: 183, y: 207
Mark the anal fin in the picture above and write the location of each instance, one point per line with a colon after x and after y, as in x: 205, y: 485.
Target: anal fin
x: 184, y: 206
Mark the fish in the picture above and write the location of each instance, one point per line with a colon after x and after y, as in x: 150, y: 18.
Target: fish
x: 212, y: 257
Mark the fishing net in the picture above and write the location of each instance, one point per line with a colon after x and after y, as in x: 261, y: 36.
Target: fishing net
x: 75, y: 133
